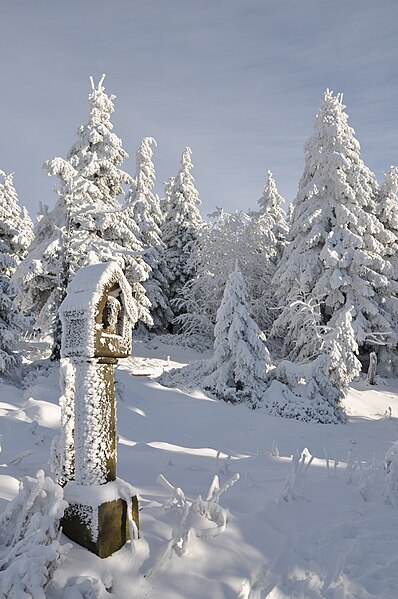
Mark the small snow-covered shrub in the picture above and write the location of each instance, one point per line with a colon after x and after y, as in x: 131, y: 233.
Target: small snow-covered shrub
x: 29, y: 531
x: 304, y: 392
x: 203, y: 518
x: 294, y: 484
x: 390, y: 490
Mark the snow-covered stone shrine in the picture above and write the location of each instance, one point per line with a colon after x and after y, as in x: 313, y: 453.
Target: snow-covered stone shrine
x: 96, y: 316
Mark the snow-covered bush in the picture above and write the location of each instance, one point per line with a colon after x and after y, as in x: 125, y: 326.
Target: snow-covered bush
x: 203, y: 518
x: 313, y: 391
x: 303, y: 392
x: 241, y: 359
x: 390, y: 489
x: 293, y: 487
x: 340, y: 346
x: 29, y: 531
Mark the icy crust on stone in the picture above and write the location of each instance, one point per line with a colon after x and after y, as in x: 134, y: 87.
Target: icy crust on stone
x: 80, y: 307
x: 63, y: 445
x: 84, y: 501
x: 93, y: 449
x: 96, y: 495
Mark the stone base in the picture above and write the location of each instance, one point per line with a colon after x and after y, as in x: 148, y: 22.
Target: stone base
x: 101, y: 529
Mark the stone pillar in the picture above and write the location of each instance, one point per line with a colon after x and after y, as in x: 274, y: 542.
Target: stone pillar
x: 96, y: 331
x: 95, y: 422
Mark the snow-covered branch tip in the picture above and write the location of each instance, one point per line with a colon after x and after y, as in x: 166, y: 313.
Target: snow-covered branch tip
x: 101, y: 81
x: 187, y: 526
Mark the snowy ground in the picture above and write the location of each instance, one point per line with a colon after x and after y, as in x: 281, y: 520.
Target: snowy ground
x: 328, y: 534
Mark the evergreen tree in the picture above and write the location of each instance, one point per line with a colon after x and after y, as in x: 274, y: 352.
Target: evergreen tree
x: 268, y: 230
x: 221, y: 242
x: 257, y: 240
x: 387, y: 212
x: 314, y: 391
x: 87, y: 224
x: 340, y: 346
x: 241, y: 359
x: 337, y: 248
x: 144, y: 208
x: 15, y: 236
x: 273, y: 216
x: 181, y: 225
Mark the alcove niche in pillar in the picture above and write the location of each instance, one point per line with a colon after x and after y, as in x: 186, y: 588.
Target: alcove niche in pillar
x: 96, y: 315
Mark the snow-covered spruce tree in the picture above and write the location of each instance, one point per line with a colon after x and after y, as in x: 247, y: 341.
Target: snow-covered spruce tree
x: 87, y: 223
x: 268, y: 230
x: 144, y: 208
x: 15, y: 236
x: 387, y: 212
x: 181, y: 225
x: 241, y: 359
x: 340, y: 346
x: 219, y: 244
x: 273, y: 215
x: 338, y: 244
x: 314, y: 391
x: 17, y: 217
x: 225, y: 239
x: 303, y: 323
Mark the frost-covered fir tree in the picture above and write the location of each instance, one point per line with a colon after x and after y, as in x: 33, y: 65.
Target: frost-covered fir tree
x: 181, y: 225
x: 17, y: 216
x: 387, y: 212
x: 144, y: 208
x: 241, y: 359
x: 268, y: 230
x: 87, y: 224
x: 338, y: 244
x: 15, y: 237
x: 225, y: 239
x: 273, y: 215
x: 314, y: 391
x: 340, y: 346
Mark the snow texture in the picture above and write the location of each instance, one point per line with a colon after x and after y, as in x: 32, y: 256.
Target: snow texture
x: 92, y: 431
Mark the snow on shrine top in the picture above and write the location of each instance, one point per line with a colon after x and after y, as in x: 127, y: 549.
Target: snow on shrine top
x: 97, y: 313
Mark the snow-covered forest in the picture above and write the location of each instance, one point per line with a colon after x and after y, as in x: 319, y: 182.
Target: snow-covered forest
x: 254, y: 330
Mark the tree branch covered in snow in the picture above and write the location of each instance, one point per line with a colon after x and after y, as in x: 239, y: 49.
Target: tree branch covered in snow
x: 29, y: 535
x: 191, y: 513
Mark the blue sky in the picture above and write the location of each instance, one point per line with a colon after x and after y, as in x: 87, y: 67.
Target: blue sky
x: 239, y: 81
